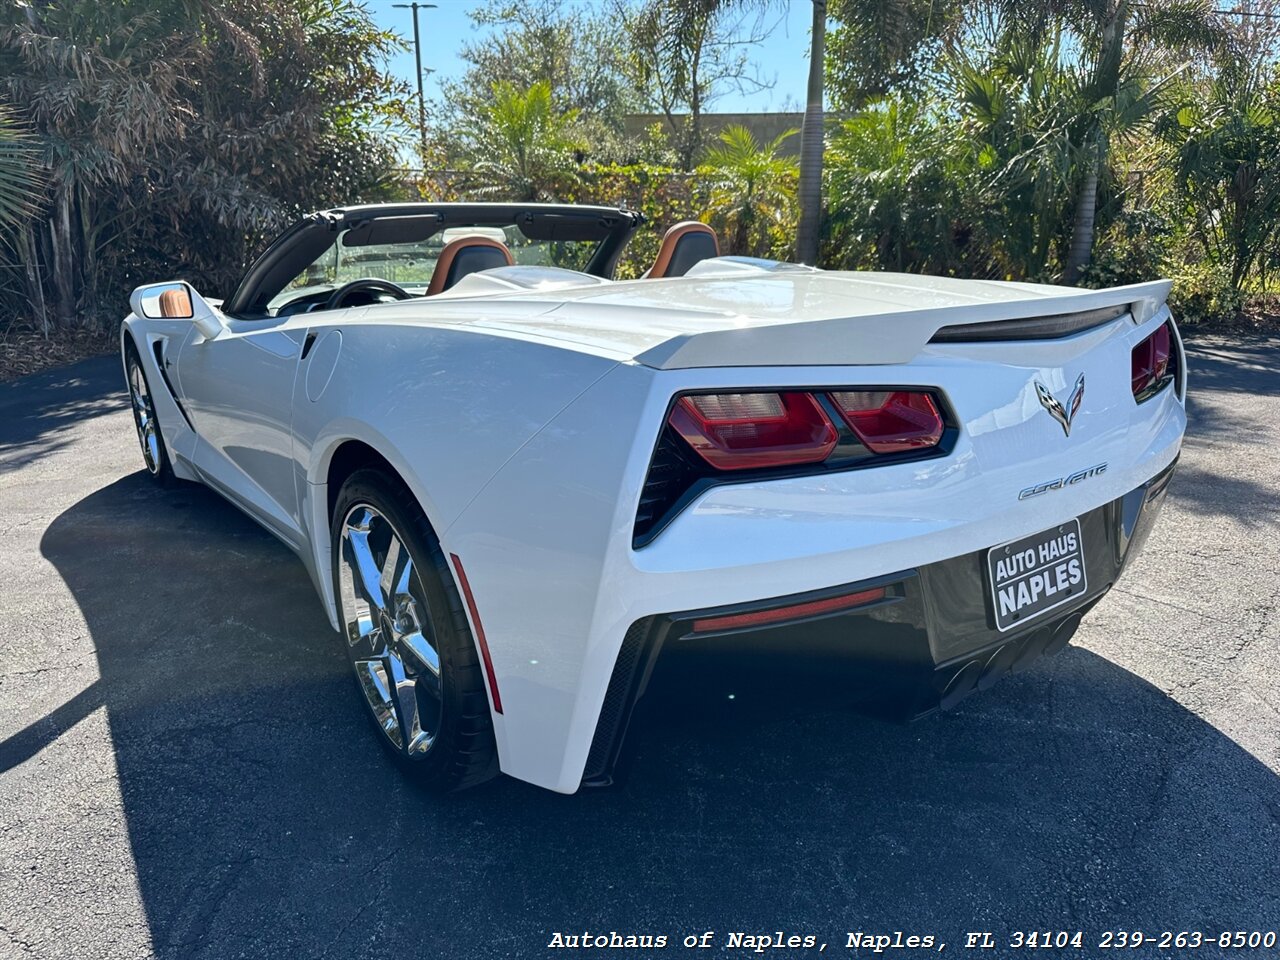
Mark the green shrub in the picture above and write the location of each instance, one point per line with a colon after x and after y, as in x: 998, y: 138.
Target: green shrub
x: 752, y: 204
x: 1203, y: 292
x: 664, y: 196
x: 899, y: 183
x: 1134, y: 248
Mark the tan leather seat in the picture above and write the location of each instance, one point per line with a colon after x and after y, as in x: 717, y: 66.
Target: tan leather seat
x: 467, y: 255
x: 685, y: 244
x: 175, y: 302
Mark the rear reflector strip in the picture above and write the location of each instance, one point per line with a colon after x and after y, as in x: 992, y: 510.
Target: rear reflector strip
x: 484, y: 644
x: 813, y: 608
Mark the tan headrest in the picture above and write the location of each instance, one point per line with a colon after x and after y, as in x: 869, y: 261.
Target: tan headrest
x: 682, y: 246
x: 467, y: 255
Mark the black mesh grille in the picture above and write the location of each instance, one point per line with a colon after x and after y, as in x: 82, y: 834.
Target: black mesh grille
x: 618, y: 701
x: 670, y: 475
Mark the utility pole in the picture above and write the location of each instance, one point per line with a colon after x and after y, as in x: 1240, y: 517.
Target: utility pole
x: 417, y: 53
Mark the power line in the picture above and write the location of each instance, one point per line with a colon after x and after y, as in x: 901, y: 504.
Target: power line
x: 1224, y: 13
x: 1247, y: 13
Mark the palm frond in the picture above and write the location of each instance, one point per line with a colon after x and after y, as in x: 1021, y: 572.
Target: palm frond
x: 21, y: 179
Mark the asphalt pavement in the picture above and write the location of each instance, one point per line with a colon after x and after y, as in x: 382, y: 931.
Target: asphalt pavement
x: 185, y: 770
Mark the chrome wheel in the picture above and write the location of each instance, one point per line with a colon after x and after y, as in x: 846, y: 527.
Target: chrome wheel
x: 388, y: 632
x: 144, y: 416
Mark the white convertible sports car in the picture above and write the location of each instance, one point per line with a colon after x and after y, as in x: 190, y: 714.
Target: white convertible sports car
x: 515, y: 481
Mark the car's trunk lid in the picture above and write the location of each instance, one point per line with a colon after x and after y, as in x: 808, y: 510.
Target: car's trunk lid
x: 806, y: 318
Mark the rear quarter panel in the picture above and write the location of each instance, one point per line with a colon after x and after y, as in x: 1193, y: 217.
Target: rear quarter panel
x: 446, y: 406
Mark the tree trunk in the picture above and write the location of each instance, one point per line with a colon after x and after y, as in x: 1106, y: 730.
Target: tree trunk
x: 62, y: 265
x: 1241, y: 255
x: 693, y: 128
x: 1104, y: 84
x: 29, y: 256
x: 1086, y: 210
x: 741, y: 245
x: 810, y: 189
x: 88, y: 306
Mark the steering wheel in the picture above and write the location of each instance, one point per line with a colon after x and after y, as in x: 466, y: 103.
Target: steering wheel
x: 339, y: 297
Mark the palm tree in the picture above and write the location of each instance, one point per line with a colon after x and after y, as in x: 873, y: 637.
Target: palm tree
x: 1104, y: 27
x: 1046, y: 135
x: 1227, y: 140
x: 874, y: 47
x: 878, y: 43
x: 175, y: 135
x: 811, y: 143
x: 22, y: 185
x: 1110, y: 24
x: 524, y: 148
x: 753, y: 190
x: 904, y: 190
x: 1020, y: 104
x: 20, y: 180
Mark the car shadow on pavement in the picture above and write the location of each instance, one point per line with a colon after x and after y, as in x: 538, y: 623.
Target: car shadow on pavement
x: 265, y: 821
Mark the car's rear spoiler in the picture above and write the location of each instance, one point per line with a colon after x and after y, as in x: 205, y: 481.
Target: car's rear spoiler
x: 897, y: 336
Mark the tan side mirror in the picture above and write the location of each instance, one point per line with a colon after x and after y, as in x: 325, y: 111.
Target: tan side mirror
x: 176, y: 301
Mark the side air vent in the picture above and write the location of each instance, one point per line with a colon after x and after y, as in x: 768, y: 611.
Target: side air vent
x: 671, y: 474
x: 160, y: 347
x: 1030, y: 328
x: 630, y: 675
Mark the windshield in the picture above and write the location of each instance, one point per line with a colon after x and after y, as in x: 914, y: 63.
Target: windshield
x: 410, y: 265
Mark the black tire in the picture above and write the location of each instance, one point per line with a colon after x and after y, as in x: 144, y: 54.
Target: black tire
x: 462, y: 752
x: 155, y: 459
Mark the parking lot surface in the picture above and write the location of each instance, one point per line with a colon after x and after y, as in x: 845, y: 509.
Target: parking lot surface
x: 185, y: 771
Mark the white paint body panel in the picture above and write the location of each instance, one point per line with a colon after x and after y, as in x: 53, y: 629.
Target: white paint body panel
x: 523, y: 422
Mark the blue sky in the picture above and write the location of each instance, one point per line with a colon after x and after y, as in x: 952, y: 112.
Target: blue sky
x: 782, y: 58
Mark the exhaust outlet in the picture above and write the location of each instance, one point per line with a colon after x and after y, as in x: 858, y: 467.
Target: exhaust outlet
x: 1012, y: 657
x: 1062, y: 636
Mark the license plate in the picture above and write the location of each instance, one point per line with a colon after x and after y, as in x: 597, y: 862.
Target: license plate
x: 1032, y: 576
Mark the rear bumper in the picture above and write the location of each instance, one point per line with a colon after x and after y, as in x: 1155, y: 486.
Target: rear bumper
x: 929, y: 642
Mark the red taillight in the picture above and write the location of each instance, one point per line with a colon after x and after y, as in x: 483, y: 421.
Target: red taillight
x: 891, y: 421
x: 739, y: 431
x: 757, y: 618
x: 1151, y: 360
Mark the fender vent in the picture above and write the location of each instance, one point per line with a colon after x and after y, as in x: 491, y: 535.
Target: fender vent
x: 630, y: 672
x: 160, y: 347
